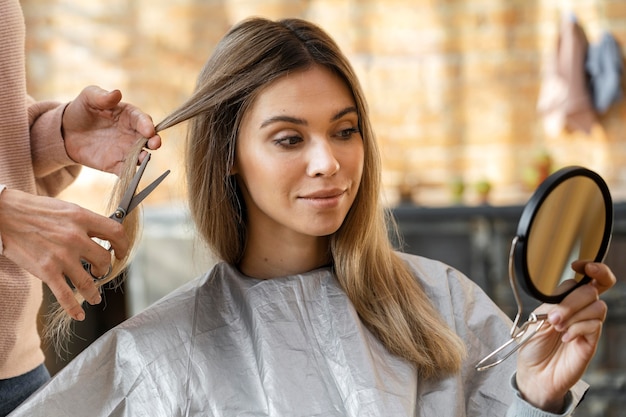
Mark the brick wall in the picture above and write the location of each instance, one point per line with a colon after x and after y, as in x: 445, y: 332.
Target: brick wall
x: 452, y: 85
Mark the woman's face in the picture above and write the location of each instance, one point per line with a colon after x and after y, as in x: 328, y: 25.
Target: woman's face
x: 299, y: 156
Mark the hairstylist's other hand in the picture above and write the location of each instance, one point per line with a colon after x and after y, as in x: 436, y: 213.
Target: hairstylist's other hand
x: 99, y: 130
x: 49, y: 237
x: 556, y: 357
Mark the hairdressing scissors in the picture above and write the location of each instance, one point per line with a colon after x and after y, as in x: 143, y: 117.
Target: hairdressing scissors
x: 129, y: 201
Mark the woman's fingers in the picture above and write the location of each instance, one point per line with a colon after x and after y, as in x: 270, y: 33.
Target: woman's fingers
x: 581, y: 313
x: 588, y: 320
x: 603, y: 277
x: 588, y: 329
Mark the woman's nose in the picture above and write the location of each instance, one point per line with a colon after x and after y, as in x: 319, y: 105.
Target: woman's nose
x: 322, y: 159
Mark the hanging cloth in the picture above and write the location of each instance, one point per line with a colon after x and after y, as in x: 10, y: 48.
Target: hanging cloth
x: 605, y: 67
x: 564, y: 97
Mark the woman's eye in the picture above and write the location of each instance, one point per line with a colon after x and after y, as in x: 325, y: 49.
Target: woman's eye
x: 347, y: 133
x: 288, y: 141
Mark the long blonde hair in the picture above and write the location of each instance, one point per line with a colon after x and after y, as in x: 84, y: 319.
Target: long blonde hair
x: 388, y: 298
x: 58, y: 329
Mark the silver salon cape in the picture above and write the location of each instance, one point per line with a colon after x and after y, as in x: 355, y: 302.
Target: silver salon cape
x: 229, y: 345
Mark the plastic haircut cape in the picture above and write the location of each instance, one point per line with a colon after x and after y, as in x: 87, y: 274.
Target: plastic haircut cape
x: 229, y: 345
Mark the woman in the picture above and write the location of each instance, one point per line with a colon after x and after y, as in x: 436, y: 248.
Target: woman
x: 312, y: 312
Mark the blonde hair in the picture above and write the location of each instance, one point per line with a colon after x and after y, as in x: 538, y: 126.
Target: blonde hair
x: 58, y: 329
x: 388, y: 298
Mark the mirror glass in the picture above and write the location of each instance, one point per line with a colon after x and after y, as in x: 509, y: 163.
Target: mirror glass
x: 569, y: 217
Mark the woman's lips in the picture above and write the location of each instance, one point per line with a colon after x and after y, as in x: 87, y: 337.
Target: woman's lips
x: 324, y: 198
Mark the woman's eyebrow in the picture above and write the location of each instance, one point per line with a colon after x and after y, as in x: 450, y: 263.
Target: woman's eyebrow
x: 340, y: 114
x: 302, y: 122
x: 288, y: 119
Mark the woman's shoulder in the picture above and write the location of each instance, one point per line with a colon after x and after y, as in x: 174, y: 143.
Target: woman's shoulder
x: 177, y: 305
x: 452, y: 292
x: 435, y: 274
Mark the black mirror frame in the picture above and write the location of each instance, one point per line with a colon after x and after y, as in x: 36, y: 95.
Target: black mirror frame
x: 528, y: 215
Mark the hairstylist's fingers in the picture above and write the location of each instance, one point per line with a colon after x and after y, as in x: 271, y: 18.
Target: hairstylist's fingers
x: 138, y: 121
x: 151, y: 144
x: 142, y: 156
x: 108, y: 229
x: 145, y: 125
x: 84, y: 284
x: 93, y: 98
x: 99, y: 258
x: 101, y: 99
x: 65, y: 296
x: 154, y: 142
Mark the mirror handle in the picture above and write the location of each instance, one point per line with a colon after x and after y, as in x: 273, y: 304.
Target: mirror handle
x: 513, y: 282
x: 538, y: 319
x: 516, y: 334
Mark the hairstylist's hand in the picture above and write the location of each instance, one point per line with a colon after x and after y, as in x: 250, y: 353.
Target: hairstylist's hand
x: 49, y: 237
x: 556, y: 357
x: 99, y: 130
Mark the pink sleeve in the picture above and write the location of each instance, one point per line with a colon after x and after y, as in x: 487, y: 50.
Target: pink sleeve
x: 53, y: 168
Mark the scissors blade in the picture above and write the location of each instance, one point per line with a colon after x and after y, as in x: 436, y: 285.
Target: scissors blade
x: 139, y: 197
x: 123, y: 208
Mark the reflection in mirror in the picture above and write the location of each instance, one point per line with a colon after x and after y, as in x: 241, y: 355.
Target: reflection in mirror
x: 568, y: 226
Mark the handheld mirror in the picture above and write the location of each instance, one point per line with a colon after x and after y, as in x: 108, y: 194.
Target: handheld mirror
x: 569, y: 217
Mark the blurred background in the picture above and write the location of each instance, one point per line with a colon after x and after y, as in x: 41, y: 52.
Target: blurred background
x: 464, y: 96
x: 453, y: 85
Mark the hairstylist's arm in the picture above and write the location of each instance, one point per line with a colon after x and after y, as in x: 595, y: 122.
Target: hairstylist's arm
x: 49, y: 237
x: 99, y: 130
x: 556, y: 358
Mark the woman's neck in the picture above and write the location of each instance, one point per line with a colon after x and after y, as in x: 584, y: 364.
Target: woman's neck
x: 266, y: 260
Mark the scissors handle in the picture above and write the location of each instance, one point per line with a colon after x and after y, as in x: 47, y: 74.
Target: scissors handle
x: 87, y: 267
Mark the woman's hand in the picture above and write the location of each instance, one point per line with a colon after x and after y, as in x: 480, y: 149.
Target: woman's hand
x: 557, y: 356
